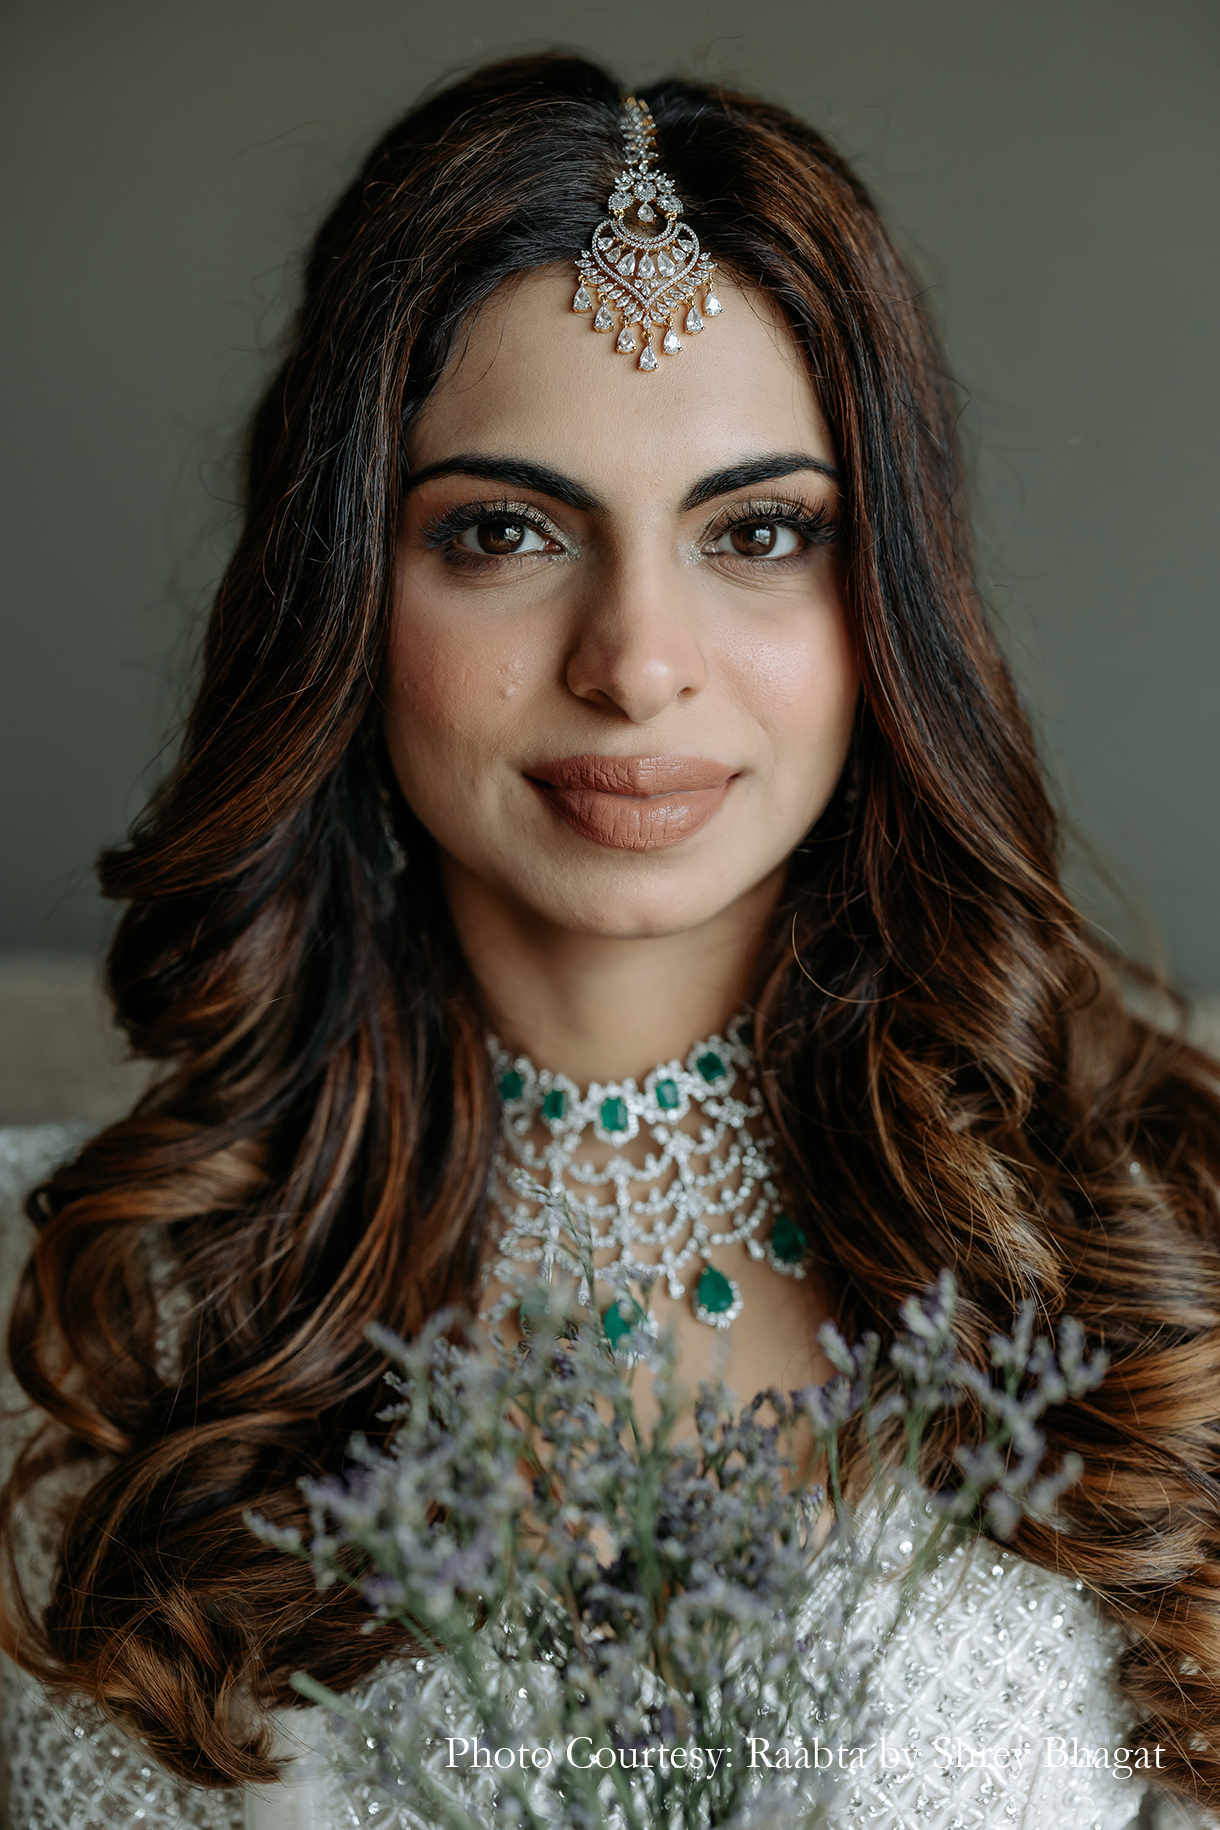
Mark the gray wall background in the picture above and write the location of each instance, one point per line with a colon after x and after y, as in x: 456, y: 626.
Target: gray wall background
x: 1050, y: 164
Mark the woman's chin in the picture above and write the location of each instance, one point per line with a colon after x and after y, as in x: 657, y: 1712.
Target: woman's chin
x: 625, y: 904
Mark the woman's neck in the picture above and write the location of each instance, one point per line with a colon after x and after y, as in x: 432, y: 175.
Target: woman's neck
x: 606, y: 1007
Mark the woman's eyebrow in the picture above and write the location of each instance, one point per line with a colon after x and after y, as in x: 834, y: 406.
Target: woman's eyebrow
x: 756, y: 470
x: 524, y: 474
x: 512, y: 470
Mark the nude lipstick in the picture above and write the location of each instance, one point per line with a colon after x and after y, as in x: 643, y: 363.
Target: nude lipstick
x: 634, y: 803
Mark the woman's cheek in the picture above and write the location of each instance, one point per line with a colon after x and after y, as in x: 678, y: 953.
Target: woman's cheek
x: 800, y: 681
x: 463, y: 696
x: 438, y: 676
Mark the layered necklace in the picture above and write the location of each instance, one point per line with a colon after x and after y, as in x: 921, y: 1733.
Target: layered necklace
x: 691, y: 1168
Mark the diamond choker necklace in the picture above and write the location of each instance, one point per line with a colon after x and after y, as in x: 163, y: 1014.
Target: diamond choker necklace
x: 683, y: 1190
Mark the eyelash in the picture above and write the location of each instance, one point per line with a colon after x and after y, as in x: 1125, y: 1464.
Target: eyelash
x: 439, y: 533
x: 816, y: 524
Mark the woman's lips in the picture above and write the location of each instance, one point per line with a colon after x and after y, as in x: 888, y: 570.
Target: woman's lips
x: 637, y: 803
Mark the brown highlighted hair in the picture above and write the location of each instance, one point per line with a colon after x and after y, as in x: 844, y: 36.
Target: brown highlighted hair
x: 953, y: 1074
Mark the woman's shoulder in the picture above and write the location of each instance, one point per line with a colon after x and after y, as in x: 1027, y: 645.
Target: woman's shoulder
x: 997, y: 1700
x: 63, y: 1766
x: 27, y: 1154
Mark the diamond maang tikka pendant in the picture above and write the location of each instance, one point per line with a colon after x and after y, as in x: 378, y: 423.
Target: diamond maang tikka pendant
x: 645, y: 273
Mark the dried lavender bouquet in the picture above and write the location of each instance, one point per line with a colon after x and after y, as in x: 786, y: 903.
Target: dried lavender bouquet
x: 610, y: 1616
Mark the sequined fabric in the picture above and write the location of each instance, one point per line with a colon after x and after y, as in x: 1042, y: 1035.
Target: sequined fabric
x: 996, y: 1703
x: 997, y: 1655
x: 71, y: 1771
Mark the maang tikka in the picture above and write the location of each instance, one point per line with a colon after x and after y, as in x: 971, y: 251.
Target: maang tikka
x: 646, y: 274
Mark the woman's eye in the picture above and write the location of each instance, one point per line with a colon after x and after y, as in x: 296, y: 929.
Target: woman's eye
x: 759, y: 540
x: 504, y: 537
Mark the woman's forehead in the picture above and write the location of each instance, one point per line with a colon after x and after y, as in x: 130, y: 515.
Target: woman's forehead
x: 531, y: 378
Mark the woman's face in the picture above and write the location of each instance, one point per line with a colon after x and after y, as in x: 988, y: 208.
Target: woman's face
x: 620, y: 687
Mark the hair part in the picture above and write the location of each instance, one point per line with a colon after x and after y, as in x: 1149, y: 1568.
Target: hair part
x: 951, y: 1071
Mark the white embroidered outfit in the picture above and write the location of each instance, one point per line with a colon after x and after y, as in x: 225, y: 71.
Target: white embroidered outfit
x: 993, y: 1697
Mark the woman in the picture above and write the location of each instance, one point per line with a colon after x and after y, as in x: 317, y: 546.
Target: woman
x: 580, y: 694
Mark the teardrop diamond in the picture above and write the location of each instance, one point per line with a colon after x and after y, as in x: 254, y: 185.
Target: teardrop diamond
x: 672, y: 343
x: 646, y: 270
x: 693, y: 321
x: 648, y: 357
x: 665, y: 265
x: 712, y: 305
x: 627, y: 267
x: 603, y: 320
x: 626, y: 342
x: 582, y: 301
x: 646, y: 213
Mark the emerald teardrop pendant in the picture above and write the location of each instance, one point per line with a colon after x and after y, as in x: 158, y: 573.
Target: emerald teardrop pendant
x: 787, y: 1247
x: 617, y: 1324
x: 717, y: 1298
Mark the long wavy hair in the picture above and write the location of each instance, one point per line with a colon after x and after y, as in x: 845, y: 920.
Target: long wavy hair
x: 952, y: 1072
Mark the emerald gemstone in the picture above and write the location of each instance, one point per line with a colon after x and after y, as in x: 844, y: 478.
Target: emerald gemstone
x: 667, y: 1095
x: 614, y: 1115
x: 711, y: 1067
x: 555, y: 1104
x: 511, y: 1085
x: 788, y: 1240
x: 617, y: 1324
x: 715, y: 1292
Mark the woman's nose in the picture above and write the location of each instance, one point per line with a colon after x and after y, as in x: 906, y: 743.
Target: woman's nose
x: 636, y: 648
